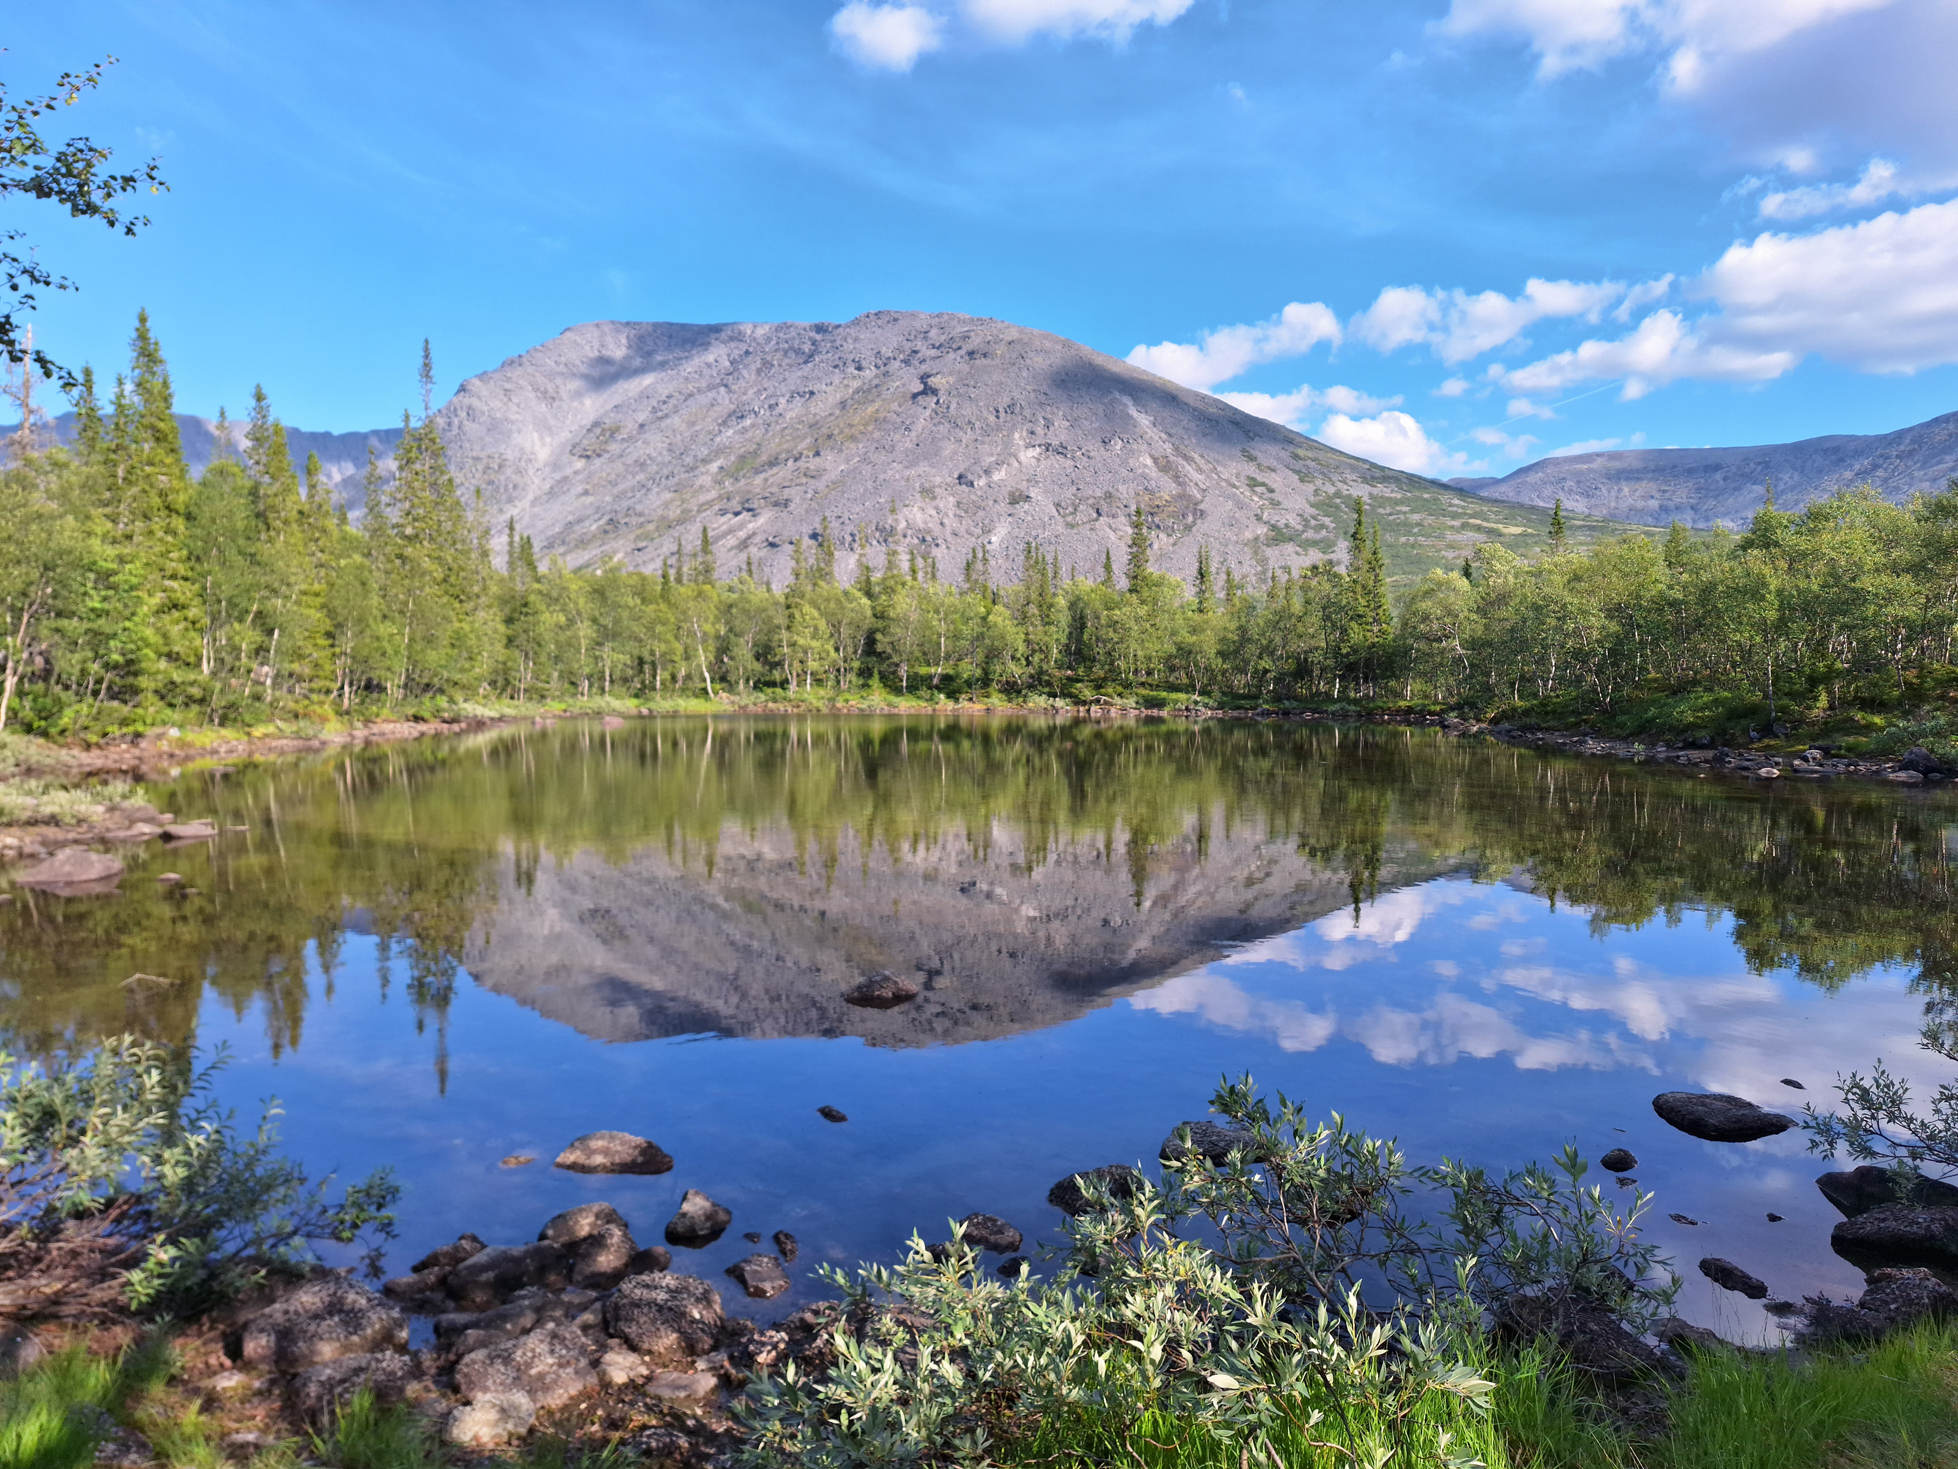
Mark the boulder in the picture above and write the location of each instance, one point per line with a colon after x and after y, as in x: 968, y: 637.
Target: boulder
x: 491, y: 1421
x: 1683, y: 1336
x: 614, y: 1152
x: 786, y: 1246
x: 761, y: 1276
x: 611, y: 721
x: 1208, y: 1140
x: 882, y: 991
x: 421, y: 1286
x: 1899, y: 1234
x: 1719, y: 1118
x: 1729, y: 1276
x: 189, y: 831
x: 1619, y: 1160
x: 20, y: 1349
x: 466, y: 1332
x: 667, y: 1316
x: 318, y: 1393
x: 551, y: 1365
x: 322, y: 1321
x: 1593, y: 1340
x: 987, y: 1232
x: 1014, y: 1268
x: 1922, y: 761
x: 1901, y: 1297
x: 832, y: 1114
x: 446, y: 1257
x: 492, y: 1276
x: 699, y: 1222
x: 73, y: 870
x: 647, y: 1261
x: 619, y: 1366
x: 1120, y: 1180
x: 572, y: 1225
x: 602, y: 1259
x: 680, y: 1386
x: 1862, y: 1189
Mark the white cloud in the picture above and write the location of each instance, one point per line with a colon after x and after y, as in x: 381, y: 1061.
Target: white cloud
x: 1460, y: 326
x: 1516, y: 446
x: 890, y: 37
x: 1641, y: 296
x: 1230, y: 350
x: 1878, y: 181
x: 1015, y: 21
x: 1453, y: 388
x: 1569, y: 35
x: 1392, y: 438
x: 1525, y: 408
x: 1291, y: 408
x: 1211, y: 997
x: 1589, y: 446
x: 1880, y: 295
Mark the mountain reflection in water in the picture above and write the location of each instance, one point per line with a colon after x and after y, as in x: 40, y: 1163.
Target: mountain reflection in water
x: 444, y: 953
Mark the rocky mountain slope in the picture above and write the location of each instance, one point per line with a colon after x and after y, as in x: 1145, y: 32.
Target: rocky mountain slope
x: 922, y: 432
x: 1709, y: 487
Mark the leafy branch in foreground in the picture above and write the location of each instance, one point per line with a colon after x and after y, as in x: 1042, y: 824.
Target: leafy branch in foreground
x: 122, y: 1179
x: 1326, y: 1325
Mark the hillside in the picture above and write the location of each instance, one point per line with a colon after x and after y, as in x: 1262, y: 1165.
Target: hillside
x: 929, y: 432
x: 1709, y: 487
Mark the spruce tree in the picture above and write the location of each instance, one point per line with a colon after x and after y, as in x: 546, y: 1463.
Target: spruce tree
x: 1203, y: 593
x: 1138, y: 549
x: 1557, y: 536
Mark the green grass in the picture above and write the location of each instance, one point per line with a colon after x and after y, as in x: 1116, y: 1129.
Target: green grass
x: 54, y: 1415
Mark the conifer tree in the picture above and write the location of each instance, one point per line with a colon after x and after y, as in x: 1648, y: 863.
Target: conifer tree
x: 1138, y: 549
x: 1203, y: 593
x: 1557, y: 535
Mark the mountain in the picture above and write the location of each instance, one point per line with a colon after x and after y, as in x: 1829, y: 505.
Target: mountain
x: 1709, y: 487
x: 343, y: 457
x: 936, y: 433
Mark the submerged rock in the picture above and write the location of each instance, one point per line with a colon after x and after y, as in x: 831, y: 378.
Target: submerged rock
x: 189, y: 831
x: 1717, y: 1117
x: 699, y: 1222
x: 761, y: 1276
x: 1120, y: 1180
x: 614, y: 1152
x: 1729, y: 1276
x: 786, y: 1246
x: 649, y: 1260
x: 572, y: 1225
x: 492, y: 1276
x: 882, y: 991
x: 1619, y: 1160
x: 1211, y: 1141
x: 73, y: 870
x: 603, y: 1259
x: 832, y: 1114
x: 990, y: 1232
x: 321, y: 1321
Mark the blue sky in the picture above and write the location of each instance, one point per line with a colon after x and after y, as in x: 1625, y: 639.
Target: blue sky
x: 1454, y: 235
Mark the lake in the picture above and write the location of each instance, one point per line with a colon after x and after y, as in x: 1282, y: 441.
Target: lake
x: 440, y: 954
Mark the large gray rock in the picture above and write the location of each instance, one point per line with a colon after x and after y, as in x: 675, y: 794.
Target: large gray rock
x: 614, y: 1152
x: 982, y: 1232
x: 321, y: 1321
x: 881, y: 991
x: 1211, y: 1141
x: 1898, y: 1234
x: 698, y: 1223
x: 447, y: 1257
x: 73, y: 870
x: 1904, y: 1296
x: 761, y: 1276
x: 603, y: 1259
x: 466, y: 1332
x: 572, y: 1225
x: 1718, y: 1117
x: 320, y: 1392
x: 1120, y: 1180
x: 1860, y: 1190
x: 492, y: 1276
x: 550, y: 1365
x: 1729, y: 1276
x: 491, y: 1421
x: 666, y: 1316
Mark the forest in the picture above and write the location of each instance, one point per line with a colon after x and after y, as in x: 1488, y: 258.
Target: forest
x: 134, y: 595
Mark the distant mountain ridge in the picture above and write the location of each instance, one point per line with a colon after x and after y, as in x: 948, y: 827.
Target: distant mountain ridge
x: 1725, y: 486
x: 343, y: 457
x: 914, y: 431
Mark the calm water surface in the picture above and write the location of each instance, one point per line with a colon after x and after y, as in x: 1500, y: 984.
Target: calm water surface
x: 440, y: 954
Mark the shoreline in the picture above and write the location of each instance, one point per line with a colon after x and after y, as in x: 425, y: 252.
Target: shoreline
x: 150, y: 757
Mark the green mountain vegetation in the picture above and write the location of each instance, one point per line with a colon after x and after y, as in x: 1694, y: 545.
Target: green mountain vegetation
x: 134, y: 595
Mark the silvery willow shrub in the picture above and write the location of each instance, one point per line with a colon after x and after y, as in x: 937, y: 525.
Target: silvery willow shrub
x: 1286, y: 1301
x: 1878, y: 1121
x: 119, y: 1171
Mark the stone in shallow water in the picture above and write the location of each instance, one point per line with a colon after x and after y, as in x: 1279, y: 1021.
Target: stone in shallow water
x: 1862, y: 1189
x: 576, y: 1224
x: 882, y: 991
x: 989, y: 1232
x: 1717, y: 1117
x: 761, y: 1276
x: 494, y: 1275
x: 603, y: 1258
x: 1898, y: 1234
x: 832, y: 1114
x: 699, y: 1222
x: 1729, y: 1276
x: 1211, y: 1141
x: 1120, y: 1180
x: 446, y: 1257
x: 1619, y: 1160
x: 73, y: 868
x: 614, y: 1152
x: 786, y: 1246
x: 665, y: 1315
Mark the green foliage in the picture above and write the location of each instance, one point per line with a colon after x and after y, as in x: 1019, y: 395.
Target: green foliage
x: 365, y: 1435
x: 55, y: 1414
x: 1261, y: 1349
x: 130, y: 1138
